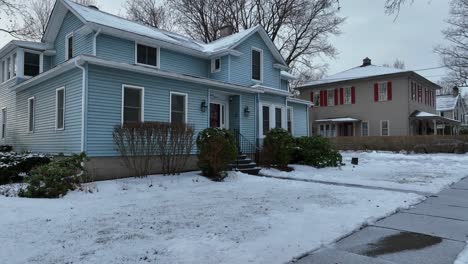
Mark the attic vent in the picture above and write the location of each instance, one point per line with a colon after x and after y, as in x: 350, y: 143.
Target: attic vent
x: 93, y: 7
x: 366, y: 62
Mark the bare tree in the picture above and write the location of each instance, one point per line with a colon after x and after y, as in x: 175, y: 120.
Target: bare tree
x: 455, y: 56
x: 394, y: 6
x: 7, y: 10
x: 148, y: 12
x: 397, y: 64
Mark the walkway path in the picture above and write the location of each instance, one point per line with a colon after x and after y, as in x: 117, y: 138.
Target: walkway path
x: 433, y: 232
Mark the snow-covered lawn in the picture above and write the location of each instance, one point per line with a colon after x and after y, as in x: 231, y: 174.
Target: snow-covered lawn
x: 462, y: 257
x: 188, y: 219
x: 415, y: 172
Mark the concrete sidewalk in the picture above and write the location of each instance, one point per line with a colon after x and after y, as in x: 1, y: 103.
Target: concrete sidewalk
x: 433, y: 232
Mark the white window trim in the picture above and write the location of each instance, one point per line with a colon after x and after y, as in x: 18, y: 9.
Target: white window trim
x: 261, y: 64
x: 56, y: 107
x: 4, y: 121
x: 8, y: 67
x: 368, y: 128
x: 388, y: 128
x: 292, y: 118
x: 142, y: 101
x: 41, y: 60
x: 350, y: 96
x: 381, y: 84
x: 158, y: 54
x: 284, y: 122
x: 213, y: 65
x: 67, y: 37
x: 186, y: 105
x: 33, y: 114
x: 332, y: 92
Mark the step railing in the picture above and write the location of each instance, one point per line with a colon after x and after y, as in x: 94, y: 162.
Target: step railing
x: 246, y: 147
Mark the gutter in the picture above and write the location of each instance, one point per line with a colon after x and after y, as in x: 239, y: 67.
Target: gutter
x: 83, y: 103
x: 95, y: 41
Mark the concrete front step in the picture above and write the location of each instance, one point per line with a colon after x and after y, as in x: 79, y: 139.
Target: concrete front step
x: 251, y: 171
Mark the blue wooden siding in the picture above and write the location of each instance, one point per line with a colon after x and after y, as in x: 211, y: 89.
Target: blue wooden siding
x: 82, y: 44
x: 7, y: 99
x: 273, y: 99
x: 46, y: 138
x: 241, y: 68
x: 284, y: 85
x: 223, y: 74
x: 184, y: 64
x: 47, y: 63
x: 115, y: 49
x: 248, y: 123
x: 299, y: 119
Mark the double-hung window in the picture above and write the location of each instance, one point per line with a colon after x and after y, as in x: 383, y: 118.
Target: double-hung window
x: 147, y: 55
x: 69, y: 46
x: 133, y: 104
x: 383, y: 93
x: 60, y: 108
x: 266, y: 119
x: 179, y: 104
x: 31, y: 64
x: 278, y: 117
x: 384, y: 128
x: 290, y: 120
x: 331, y: 98
x: 8, y: 69
x: 365, y: 128
x: 347, y: 95
x: 257, y: 63
x: 31, y: 113
x: 14, y: 66
x: 216, y: 65
x: 4, y: 122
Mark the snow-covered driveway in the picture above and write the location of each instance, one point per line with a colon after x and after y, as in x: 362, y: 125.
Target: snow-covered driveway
x: 428, y: 173
x: 188, y: 219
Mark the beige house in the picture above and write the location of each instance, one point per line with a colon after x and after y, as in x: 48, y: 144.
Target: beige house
x: 371, y: 100
x: 451, y: 106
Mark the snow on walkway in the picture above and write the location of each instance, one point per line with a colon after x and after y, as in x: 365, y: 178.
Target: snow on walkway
x: 414, y: 172
x: 462, y: 257
x: 188, y: 219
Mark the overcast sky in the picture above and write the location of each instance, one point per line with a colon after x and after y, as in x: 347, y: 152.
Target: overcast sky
x: 368, y: 31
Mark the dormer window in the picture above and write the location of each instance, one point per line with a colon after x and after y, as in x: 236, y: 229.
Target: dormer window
x: 146, y: 55
x: 69, y: 47
x: 257, y: 64
x: 216, y: 65
x: 31, y: 64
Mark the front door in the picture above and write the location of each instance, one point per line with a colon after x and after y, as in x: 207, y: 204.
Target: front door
x: 217, y: 115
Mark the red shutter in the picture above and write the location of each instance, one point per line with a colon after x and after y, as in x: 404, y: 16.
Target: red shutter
x: 353, y: 95
x: 321, y: 98
x: 312, y: 98
x: 376, y: 92
x: 389, y: 91
x: 336, y: 96
x: 341, y: 96
x: 325, y: 98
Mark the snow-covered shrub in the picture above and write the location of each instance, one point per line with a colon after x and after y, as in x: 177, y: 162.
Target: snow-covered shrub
x: 55, y: 179
x: 217, y: 149
x: 278, y: 148
x: 316, y: 151
x: 13, y: 164
x: 5, y: 148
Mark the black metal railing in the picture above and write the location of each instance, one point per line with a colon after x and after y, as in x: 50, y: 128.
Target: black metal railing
x: 246, y: 147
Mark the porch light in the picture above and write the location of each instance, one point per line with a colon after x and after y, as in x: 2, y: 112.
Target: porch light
x: 203, y: 106
x: 246, y: 111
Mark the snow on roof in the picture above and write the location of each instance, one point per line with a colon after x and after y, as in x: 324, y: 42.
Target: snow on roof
x: 23, y: 44
x: 229, y: 41
x: 446, y: 102
x: 339, y: 120
x: 356, y: 73
x: 424, y: 114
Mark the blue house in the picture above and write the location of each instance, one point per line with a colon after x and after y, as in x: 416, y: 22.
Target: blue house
x: 93, y: 71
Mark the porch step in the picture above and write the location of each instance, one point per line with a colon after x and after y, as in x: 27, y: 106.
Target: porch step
x: 251, y: 171
x: 245, y: 165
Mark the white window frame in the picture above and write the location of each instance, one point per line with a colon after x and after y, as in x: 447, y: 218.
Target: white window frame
x: 33, y: 121
x: 142, y: 101
x: 158, y: 54
x: 383, y: 91
x: 67, y: 37
x: 332, y: 93
x: 381, y: 128
x: 261, y: 64
x: 3, y: 132
x: 347, y: 100
x: 213, y: 65
x: 362, y: 130
x: 272, y: 109
x: 331, y: 132
x: 290, y: 109
x: 186, y: 105
x: 41, y: 60
x: 56, y: 107
x: 14, y: 66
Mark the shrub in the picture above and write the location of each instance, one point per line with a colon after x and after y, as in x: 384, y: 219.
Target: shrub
x: 12, y: 164
x: 317, y: 152
x: 55, y: 179
x: 217, y: 149
x: 278, y: 148
x: 6, y: 148
x: 464, y: 131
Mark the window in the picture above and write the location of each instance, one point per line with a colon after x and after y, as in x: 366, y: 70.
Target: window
x: 328, y: 130
x: 3, y: 72
x: 147, y: 55
x: 216, y: 65
x: 60, y: 108
x: 13, y: 67
x: 178, y: 107
x: 4, y: 122
x: 383, y: 94
x: 331, y: 97
x: 266, y: 119
x: 385, y: 128
x: 413, y: 91
x: 290, y: 120
x: 365, y: 129
x: 31, y: 64
x: 419, y: 94
x: 132, y: 105
x: 278, y: 117
x: 317, y: 99
x: 347, y: 95
x: 69, y: 46
x: 257, y: 57
x: 8, y: 70
x: 31, y: 110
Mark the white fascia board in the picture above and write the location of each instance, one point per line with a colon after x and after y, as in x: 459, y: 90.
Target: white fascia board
x: 224, y: 53
x: 270, y: 90
x: 281, y: 67
x: 299, y: 101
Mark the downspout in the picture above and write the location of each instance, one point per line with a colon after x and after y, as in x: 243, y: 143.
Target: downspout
x: 95, y: 42
x: 83, y: 104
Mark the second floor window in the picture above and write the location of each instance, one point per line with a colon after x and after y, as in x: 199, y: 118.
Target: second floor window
x: 257, y: 65
x: 216, y: 65
x: 383, y: 93
x: 69, y: 47
x: 347, y: 95
x: 31, y: 64
x: 147, y: 55
x: 331, y: 97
